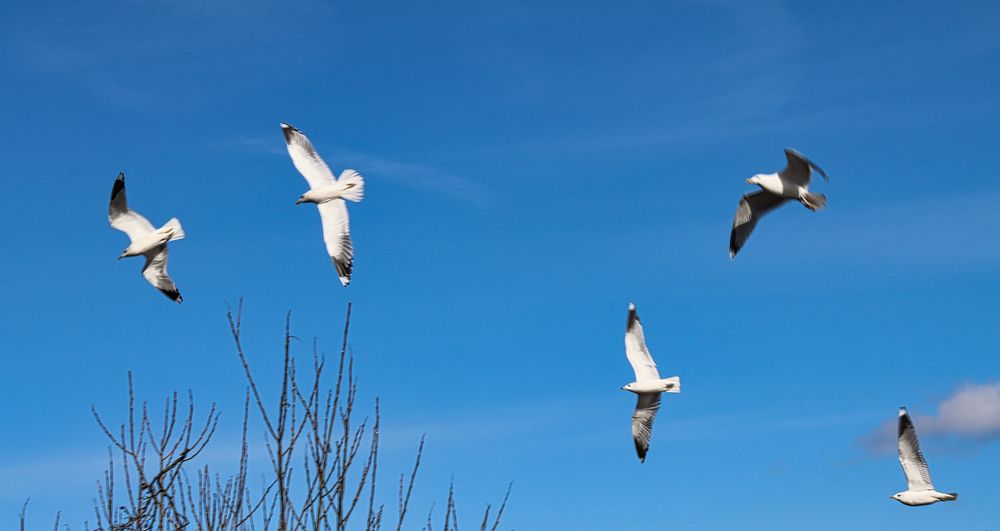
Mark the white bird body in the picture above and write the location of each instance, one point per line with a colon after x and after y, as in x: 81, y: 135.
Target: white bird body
x: 145, y: 240
x: 328, y: 194
x: 666, y: 385
x: 920, y: 490
x: 647, y: 385
x: 923, y: 497
x: 772, y: 182
x: 153, y: 240
x: 791, y: 183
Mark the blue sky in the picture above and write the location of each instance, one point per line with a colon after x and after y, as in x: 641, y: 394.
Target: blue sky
x: 530, y: 169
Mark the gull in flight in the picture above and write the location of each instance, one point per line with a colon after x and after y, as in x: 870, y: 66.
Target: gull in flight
x: 328, y: 194
x: 146, y: 240
x: 919, y: 490
x: 776, y: 189
x: 648, y: 384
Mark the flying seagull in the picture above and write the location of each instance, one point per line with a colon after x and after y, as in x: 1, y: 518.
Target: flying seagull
x: 919, y: 490
x: 328, y: 194
x: 776, y: 189
x: 647, y: 384
x: 146, y: 240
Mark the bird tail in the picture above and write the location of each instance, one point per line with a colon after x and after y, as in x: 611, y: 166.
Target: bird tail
x: 177, y: 231
x: 672, y: 384
x: 352, y: 185
x: 813, y: 202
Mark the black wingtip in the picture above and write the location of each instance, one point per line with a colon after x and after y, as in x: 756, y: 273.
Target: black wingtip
x: 905, y: 423
x: 174, y: 295
x: 119, y: 185
x: 633, y: 317
x: 640, y: 452
x: 288, y: 130
x: 343, y: 270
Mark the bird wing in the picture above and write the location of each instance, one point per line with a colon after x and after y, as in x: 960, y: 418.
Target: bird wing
x: 918, y: 476
x: 635, y: 348
x: 305, y: 158
x: 752, y: 207
x: 337, y: 235
x: 155, y: 271
x: 642, y: 422
x: 799, y: 168
x: 128, y: 221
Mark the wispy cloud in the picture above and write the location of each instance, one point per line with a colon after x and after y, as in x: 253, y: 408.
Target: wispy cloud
x: 944, y: 230
x: 45, y: 53
x: 143, y: 57
x: 414, y: 175
x: 425, y: 177
x: 478, y: 426
x: 971, y: 414
x: 37, y: 474
x: 272, y: 145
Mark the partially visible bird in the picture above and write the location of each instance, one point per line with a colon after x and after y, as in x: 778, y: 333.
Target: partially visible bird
x: 648, y: 384
x: 776, y: 189
x: 145, y: 239
x: 919, y: 490
x: 328, y: 194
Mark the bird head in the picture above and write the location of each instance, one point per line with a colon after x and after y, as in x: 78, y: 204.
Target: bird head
x: 754, y: 180
x: 627, y: 387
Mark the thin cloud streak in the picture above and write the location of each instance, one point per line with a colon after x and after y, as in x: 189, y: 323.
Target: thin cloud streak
x: 424, y: 177
x: 414, y: 175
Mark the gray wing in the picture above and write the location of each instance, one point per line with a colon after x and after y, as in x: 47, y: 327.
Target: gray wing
x: 305, y: 158
x: 155, y: 271
x: 642, y: 422
x: 337, y: 235
x: 635, y: 348
x: 123, y: 219
x: 752, y: 207
x: 918, y: 476
x: 799, y: 168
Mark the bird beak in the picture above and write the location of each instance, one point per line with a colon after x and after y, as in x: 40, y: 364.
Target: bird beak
x: 299, y: 202
x: 121, y: 256
x: 749, y: 181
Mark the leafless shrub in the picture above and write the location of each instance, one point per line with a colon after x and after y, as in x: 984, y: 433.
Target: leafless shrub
x: 323, y: 462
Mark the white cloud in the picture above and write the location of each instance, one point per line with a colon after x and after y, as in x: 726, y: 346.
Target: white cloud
x: 971, y: 413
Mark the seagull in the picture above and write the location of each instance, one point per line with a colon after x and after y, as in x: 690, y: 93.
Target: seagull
x: 919, y: 490
x: 146, y: 240
x: 776, y: 189
x: 328, y: 194
x: 647, y: 384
